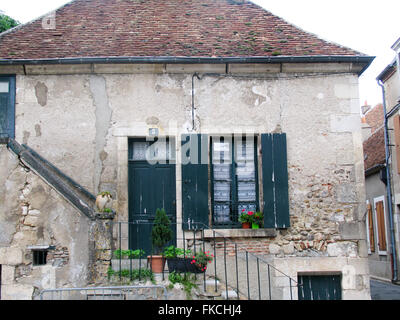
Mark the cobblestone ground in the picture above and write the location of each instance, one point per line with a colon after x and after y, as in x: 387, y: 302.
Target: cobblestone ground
x: 381, y: 290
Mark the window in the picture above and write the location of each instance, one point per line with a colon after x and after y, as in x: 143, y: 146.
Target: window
x: 39, y: 257
x: 380, y: 218
x: 233, y: 178
x: 370, y: 229
x: 7, y: 107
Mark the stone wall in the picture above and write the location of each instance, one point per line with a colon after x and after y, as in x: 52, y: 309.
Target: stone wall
x: 33, y: 215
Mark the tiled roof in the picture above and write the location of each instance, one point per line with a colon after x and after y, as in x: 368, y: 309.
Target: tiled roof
x: 161, y: 28
x: 374, y: 150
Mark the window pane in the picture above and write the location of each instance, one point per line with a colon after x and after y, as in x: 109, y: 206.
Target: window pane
x: 159, y: 150
x: 221, y: 213
x: 222, y: 172
x: 221, y: 151
x: 246, y: 207
x: 246, y: 191
x: 245, y: 150
x: 245, y: 171
x: 139, y: 150
x: 222, y: 191
x: 4, y: 87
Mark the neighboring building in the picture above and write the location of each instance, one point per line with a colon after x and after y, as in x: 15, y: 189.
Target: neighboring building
x: 87, y: 88
x: 389, y: 79
x: 377, y: 218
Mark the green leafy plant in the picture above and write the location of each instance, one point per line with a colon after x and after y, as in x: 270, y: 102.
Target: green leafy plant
x: 134, y: 274
x: 201, y: 258
x: 161, y: 232
x: 174, y: 252
x: 134, y: 254
x: 186, y: 279
x: 259, y: 218
x: 7, y: 22
x: 246, y: 216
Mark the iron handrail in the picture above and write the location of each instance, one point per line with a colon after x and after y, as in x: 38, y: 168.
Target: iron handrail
x: 216, y: 234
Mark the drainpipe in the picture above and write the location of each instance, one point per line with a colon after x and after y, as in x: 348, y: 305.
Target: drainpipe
x: 389, y: 190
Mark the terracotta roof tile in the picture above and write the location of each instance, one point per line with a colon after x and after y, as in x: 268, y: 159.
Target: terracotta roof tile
x: 184, y: 28
x: 374, y: 150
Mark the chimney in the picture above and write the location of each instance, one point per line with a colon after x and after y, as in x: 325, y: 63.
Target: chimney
x: 365, y: 108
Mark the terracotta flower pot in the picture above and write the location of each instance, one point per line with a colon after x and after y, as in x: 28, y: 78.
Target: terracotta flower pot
x: 157, y: 263
x: 246, y: 225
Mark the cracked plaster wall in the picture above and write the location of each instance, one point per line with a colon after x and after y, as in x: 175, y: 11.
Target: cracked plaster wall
x: 83, y: 128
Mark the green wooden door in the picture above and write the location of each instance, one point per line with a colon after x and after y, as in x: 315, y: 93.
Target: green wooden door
x: 323, y: 287
x: 151, y: 185
x: 7, y: 106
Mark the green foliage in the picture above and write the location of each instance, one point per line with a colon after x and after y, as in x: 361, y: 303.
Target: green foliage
x: 104, y: 193
x: 259, y: 218
x: 186, y: 279
x: 161, y: 232
x: 7, y: 22
x: 134, y: 254
x: 134, y: 274
x: 173, y: 252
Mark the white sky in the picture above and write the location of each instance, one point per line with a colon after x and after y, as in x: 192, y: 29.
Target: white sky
x: 369, y: 26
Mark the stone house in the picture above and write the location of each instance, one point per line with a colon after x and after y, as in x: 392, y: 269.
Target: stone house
x: 389, y: 80
x: 377, y: 222
x: 238, y: 108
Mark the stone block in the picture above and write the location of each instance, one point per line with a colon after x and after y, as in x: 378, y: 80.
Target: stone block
x: 7, y: 274
x: 342, y: 249
x: 288, y: 249
x: 11, y: 256
x: 352, y: 230
x: 345, y: 123
x: 346, y: 193
x: 274, y: 249
x: 16, y: 292
x: 254, y: 68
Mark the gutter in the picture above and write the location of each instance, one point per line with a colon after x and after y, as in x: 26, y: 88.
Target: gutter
x: 389, y: 190
x: 373, y: 169
x: 367, y: 60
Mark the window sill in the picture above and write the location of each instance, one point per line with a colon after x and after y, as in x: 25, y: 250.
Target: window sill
x: 241, y: 233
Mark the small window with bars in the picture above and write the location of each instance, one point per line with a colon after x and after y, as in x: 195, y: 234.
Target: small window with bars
x: 39, y: 257
x: 234, y: 178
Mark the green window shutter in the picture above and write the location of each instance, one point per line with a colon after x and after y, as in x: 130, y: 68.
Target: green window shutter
x: 275, y: 181
x: 7, y: 106
x: 194, y: 181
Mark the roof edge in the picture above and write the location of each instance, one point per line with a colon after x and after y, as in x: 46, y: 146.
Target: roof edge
x: 366, y: 60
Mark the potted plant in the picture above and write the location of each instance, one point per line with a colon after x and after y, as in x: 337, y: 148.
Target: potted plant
x: 246, y: 218
x: 258, y: 220
x: 104, y: 201
x: 200, y: 260
x: 161, y: 234
x: 179, y: 260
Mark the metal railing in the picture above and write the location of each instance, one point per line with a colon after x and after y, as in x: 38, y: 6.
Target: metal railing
x: 101, y: 293
x: 239, y: 273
